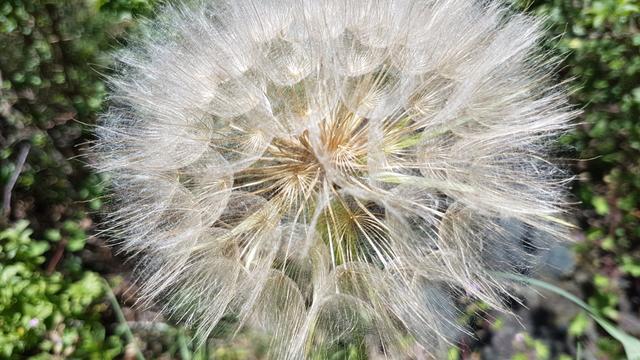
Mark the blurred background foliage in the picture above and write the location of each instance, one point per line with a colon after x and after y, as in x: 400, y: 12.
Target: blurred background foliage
x: 53, y: 303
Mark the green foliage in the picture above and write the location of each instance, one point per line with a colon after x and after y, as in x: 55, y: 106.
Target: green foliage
x: 48, y: 314
x: 601, y: 42
x: 631, y: 345
x: 532, y: 349
x: 579, y: 325
x: 52, y: 54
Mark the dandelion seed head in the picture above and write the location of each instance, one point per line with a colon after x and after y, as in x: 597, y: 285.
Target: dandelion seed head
x: 333, y: 172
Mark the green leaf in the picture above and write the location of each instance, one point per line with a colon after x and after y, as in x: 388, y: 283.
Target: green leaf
x: 600, y: 205
x: 38, y: 248
x: 631, y: 345
x: 578, y: 324
x: 631, y: 266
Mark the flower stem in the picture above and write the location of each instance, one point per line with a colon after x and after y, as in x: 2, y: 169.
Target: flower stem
x: 121, y: 319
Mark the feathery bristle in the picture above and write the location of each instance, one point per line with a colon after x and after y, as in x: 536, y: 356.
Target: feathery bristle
x: 333, y: 171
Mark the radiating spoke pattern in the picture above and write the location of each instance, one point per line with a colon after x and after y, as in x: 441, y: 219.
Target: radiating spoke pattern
x: 333, y: 172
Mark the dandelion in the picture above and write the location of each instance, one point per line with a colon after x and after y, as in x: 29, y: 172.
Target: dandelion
x: 333, y: 172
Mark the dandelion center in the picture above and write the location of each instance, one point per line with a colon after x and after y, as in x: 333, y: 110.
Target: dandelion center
x: 295, y: 170
x: 297, y: 166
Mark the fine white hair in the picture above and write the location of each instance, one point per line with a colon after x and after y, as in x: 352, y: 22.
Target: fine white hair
x: 336, y: 171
